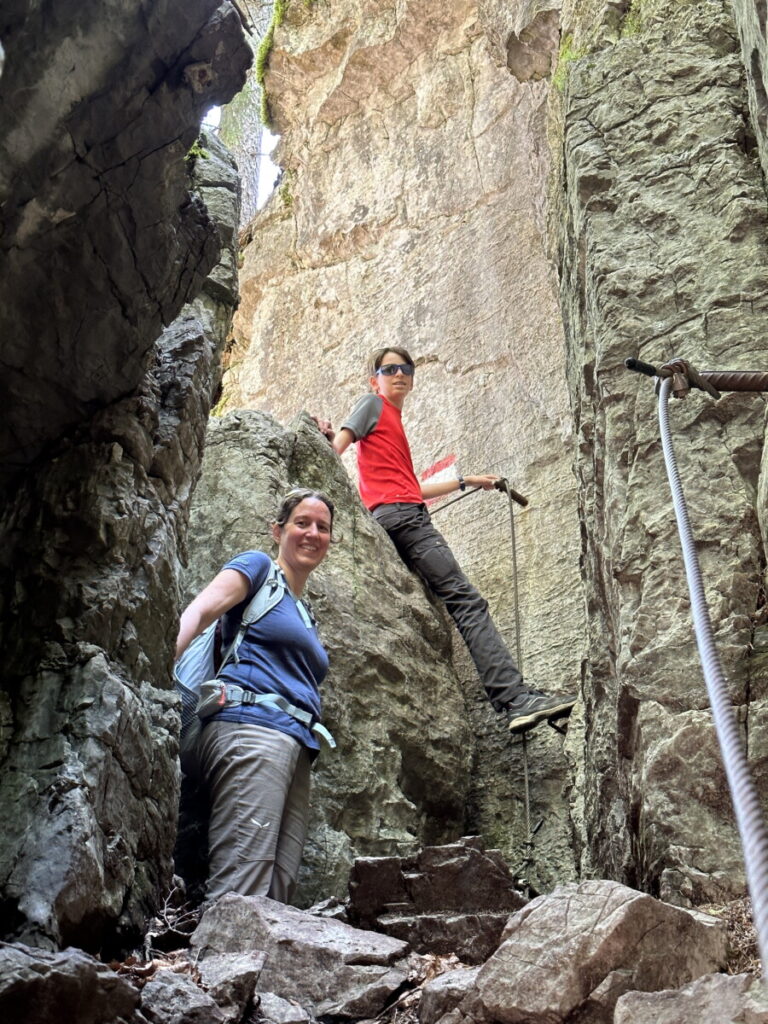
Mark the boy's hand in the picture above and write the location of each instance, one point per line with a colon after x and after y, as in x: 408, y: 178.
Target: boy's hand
x: 326, y: 428
x: 486, y: 481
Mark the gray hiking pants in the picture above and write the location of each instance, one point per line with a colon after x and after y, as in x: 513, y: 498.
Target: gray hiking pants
x: 259, y: 788
x: 425, y: 551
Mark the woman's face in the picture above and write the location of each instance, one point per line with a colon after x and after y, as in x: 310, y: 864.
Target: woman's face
x: 303, y: 541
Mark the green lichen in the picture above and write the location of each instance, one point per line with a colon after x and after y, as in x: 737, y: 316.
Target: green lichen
x: 633, y: 22
x: 262, y: 57
x: 567, y: 55
x: 285, y: 191
x: 196, y: 151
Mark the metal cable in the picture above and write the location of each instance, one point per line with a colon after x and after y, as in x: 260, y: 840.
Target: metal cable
x: 749, y: 817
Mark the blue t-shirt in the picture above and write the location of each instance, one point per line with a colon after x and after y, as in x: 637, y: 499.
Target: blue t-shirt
x: 278, y: 654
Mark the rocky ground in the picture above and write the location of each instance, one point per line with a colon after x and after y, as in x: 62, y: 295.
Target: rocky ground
x: 449, y: 940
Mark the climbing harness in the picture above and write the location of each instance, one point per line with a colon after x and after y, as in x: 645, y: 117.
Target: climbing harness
x: 514, y: 497
x: 679, y: 377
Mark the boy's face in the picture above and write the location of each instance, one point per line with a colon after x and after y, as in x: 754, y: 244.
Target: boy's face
x: 395, y: 388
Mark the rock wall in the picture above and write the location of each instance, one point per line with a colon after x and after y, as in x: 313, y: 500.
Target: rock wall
x: 411, y: 212
x: 660, y: 222
x: 104, y: 238
x: 241, y: 131
x: 525, y: 194
x: 399, y: 777
x: 102, y: 242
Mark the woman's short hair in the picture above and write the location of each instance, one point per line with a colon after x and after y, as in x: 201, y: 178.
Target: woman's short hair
x: 295, y: 497
x: 378, y: 357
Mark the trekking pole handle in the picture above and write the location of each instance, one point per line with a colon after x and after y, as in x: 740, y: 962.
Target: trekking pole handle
x: 502, y: 484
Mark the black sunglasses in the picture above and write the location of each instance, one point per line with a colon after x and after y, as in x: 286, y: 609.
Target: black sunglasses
x: 391, y: 369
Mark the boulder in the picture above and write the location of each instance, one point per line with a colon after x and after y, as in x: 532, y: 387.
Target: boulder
x: 326, y: 966
x: 171, y: 998
x: 713, y: 999
x: 230, y: 980
x: 281, y: 1011
x: 446, y: 899
x: 40, y: 987
x: 447, y: 992
x: 585, y: 945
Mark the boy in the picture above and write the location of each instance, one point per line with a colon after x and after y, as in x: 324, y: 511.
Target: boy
x: 391, y: 492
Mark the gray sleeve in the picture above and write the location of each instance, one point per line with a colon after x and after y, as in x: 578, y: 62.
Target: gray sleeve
x: 364, y: 416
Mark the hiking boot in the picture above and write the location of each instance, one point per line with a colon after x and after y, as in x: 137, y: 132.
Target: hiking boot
x: 530, y: 707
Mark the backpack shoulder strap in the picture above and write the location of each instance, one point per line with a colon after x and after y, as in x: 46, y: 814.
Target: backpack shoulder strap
x: 269, y: 594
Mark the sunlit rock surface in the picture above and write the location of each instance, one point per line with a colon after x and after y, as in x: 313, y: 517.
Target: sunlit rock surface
x: 411, y: 212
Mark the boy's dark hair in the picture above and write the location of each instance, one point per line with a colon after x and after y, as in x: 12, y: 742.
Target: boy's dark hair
x: 378, y: 357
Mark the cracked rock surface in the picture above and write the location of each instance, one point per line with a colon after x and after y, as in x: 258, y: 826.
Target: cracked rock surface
x: 104, y: 237
x: 101, y: 241
x: 661, y: 226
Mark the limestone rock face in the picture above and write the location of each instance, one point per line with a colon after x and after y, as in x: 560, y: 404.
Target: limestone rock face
x: 660, y: 222
x: 392, y: 701
x: 104, y: 237
x: 750, y: 18
x: 413, y: 142
x: 101, y: 241
x: 241, y: 129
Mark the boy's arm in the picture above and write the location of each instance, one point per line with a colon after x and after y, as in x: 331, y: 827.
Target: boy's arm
x: 360, y: 422
x: 441, y: 487
x: 342, y: 440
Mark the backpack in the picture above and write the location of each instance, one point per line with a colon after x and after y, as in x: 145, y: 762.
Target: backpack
x: 203, y: 660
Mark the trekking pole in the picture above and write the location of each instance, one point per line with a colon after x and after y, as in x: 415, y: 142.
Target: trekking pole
x: 678, y: 377
x: 513, y: 496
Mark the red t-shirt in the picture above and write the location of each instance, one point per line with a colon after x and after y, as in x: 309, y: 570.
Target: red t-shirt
x: 384, y: 463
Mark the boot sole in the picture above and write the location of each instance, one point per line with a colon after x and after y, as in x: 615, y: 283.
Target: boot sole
x: 523, y: 722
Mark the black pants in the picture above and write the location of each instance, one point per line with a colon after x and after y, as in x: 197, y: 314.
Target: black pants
x: 425, y: 551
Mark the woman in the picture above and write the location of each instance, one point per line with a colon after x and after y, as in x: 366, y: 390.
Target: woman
x: 256, y: 757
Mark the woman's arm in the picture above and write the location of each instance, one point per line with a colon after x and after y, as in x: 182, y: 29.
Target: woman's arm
x: 224, y: 591
x: 439, y: 488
